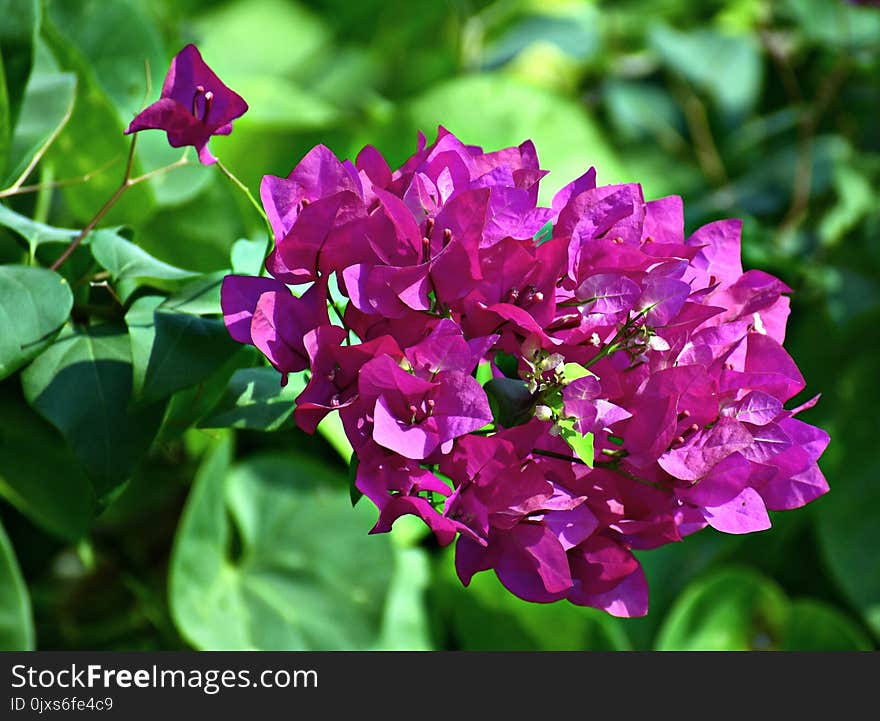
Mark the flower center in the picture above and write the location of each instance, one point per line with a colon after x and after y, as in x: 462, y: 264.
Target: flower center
x: 202, y: 102
x: 417, y: 414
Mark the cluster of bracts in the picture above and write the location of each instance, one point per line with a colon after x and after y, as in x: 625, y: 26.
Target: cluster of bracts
x: 551, y: 386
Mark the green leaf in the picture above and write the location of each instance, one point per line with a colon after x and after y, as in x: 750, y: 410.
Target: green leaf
x: 270, y: 555
x: 20, y: 19
x: 201, y: 297
x: 568, y: 139
x: 334, y: 433
x: 5, y: 120
x: 141, y: 323
x: 34, y: 304
x: 582, y: 445
x: 573, y: 371
x: 849, y: 533
x: 354, y: 493
x: 48, y: 102
x: 836, y: 25
x: 132, y: 267
x: 485, y: 616
x: 255, y: 399
x: 511, y: 401
x: 405, y: 625
x: 734, y: 609
x: 816, y: 626
x: 33, y: 232
x: 16, y: 622
x: 247, y: 256
x: 172, y: 351
x: 641, y: 110
x: 82, y: 385
x: 189, y: 406
x: 726, y: 66
x: 93, y: 138
x: 39, y: 475
x: 116, y: 38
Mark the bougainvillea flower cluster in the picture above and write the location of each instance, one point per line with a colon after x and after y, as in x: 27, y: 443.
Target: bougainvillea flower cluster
x: 551, y: 388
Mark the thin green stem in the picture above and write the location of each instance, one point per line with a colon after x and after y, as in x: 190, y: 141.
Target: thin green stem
x: 558, y: 456
x: 244, y: 189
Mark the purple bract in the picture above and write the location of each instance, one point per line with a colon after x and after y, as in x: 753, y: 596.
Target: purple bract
x: 193, y: 106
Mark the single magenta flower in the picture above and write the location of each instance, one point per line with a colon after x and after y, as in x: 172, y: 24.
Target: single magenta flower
x: 193, y: 106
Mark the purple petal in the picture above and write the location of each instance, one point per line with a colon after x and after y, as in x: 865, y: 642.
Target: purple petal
x: 787, y: 493
x: 239, y: 295
x: 445, y: 349
x: 720, y: 256
x: 461, y: 405
x: 756, y: 407
x: 414, y: 441
x: 705, y: 449
x: 662, y: 299
x: 664, y: 220
x: 745, y: 513
x: 532, y: 564
x: 608, y: 293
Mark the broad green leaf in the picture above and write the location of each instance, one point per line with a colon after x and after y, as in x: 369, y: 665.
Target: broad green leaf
x: 82, y: 385
x: 510, y: 400
x: 279, y: 47
x: 405, y: 625
x: 247, y: 256
x: 849, y: 533
x: 141, y: 323
x: 189, y: 406
x: 93, y: 139
x: 34, y: 304
x: 816, y: 626
x: 210, y: 223
x: 494, y: 111
x: 486, y: 616
x: 33, y: 232
x: 20, y: 20
x: 131, y: 267
x: 734, y: 609
x: 5, y: 119
x: 172, y: 351
x: 270, y: 555
x: 334, y: 432
x: 48, y: 102
x: 116, y: 38
x: 16, y: 622
x: 256, y: 400
x: 837, y: 25
x: 642, y: 110
x: 726, y: 66
x: 39, y: 475
x: 201, y: 297
x: 277, y: 103
x: 187, y: 349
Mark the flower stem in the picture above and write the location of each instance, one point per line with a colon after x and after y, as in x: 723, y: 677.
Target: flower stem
x: 558, y: 456
x: 244, y: 189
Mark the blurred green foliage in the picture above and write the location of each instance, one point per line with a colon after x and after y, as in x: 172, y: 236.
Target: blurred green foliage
x: 134, y: 519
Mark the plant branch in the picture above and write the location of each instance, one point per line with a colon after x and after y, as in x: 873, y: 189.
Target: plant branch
x: 126, y: 183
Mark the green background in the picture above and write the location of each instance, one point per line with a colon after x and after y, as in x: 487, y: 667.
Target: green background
x: 154, y: 492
